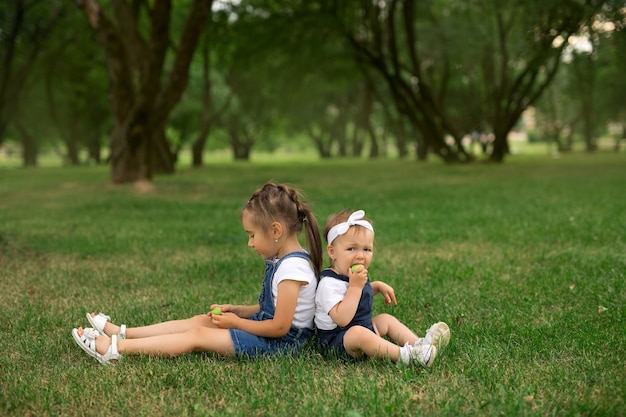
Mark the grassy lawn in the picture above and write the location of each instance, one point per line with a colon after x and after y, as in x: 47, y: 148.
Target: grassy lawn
x: 525, y: 261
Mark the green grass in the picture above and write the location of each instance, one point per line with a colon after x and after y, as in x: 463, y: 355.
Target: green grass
x: 516, y: 258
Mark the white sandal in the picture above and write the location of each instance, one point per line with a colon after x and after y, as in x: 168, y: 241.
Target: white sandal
x: 100, y: 320
x: 88, y: 343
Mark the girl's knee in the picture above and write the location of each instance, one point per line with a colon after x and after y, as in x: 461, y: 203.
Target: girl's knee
x: 196, y: 332
x: 197, y: 337
x: 201, y: 320
x: 358, y: 333
x: 383, y: 319
x: 385, y: 316
x: 358, y: 340
x: 205, y: 339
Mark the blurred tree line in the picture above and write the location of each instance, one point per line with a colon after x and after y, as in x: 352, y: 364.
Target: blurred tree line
x: 139, y: 80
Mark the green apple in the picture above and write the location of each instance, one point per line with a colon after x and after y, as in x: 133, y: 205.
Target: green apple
x: 355, y: 267
x: 216, y: 311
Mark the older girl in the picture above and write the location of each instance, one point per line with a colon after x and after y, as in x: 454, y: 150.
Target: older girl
x: 281, y: 322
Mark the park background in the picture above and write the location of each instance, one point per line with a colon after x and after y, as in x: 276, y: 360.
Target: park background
x: 138, y: 85
x: 484, y: 139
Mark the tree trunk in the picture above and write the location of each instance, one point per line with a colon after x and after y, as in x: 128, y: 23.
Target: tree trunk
x: 163, y: 158
x: 16, y: 67
x: 323, y: 145
x: 94, y: 148
x: 357, y: 143
x: 129, y: 161
x: 588, y: 121
x: 364, y: 119
x: 397, y: 128
x: 72, y: 149
x: 401, y: 144
x: 29, y: 145
x: 241, y: 151
x: 421, y: 148
x: 500, y: 146
x: 142, y: 95
x: 421, y: 151
x: 240, y: 142
x: 197, y: 148
x: 339, y: 132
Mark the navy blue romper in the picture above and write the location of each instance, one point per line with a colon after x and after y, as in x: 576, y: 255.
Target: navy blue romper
x: 333, y: 339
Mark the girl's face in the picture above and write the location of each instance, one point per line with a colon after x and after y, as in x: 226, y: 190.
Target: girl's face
x: 356, y: 246
x: 259, y: 239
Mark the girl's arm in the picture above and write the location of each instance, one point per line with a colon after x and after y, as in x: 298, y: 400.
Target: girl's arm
x: 279, y: 326
x: 343, y: 312
x: 245, y: 312
x: 241, y: 311
x: 386, y: 291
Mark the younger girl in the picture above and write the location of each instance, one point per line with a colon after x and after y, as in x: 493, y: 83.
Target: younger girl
x: 345, y: 295
x: 281, y: 322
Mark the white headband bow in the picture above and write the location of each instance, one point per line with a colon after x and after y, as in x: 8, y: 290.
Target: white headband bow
x: 342, y: 228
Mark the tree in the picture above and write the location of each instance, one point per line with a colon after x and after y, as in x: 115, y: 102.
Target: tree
x: 588, y: 90
x: 528, y: 46
x: 444, y: 60
x: 611, y: 65
x: 146, y: 83
x: 385, y: 38
x: 74, y: 90
x: 26, y: 26
x: 556, y: 114
x: 207, y: 113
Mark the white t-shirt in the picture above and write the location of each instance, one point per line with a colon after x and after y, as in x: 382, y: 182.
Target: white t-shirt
x: 298, y: 269
x: 330, y: 291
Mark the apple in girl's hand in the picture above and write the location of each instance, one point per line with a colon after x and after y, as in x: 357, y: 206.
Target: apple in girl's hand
x: 355, y: 267
x: 216, y: 311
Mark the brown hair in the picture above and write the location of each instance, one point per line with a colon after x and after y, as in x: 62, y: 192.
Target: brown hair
x: 280, y: 202
x: 335, y: 219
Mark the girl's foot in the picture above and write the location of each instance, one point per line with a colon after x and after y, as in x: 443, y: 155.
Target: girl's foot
x: 100, y: 347
x: 438, y: 335
x: 102, y: 323
x: 420, y: 353
x: 101, y: 342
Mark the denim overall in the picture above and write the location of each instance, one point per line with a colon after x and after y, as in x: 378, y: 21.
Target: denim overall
x: 252, y: 345
x: 362, y: 317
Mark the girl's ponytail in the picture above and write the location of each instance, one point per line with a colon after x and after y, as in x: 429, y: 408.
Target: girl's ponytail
x: 313, y: 239
x: 279, y: 201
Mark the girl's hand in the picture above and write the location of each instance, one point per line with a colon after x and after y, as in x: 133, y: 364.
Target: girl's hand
x: 358, y: 277
x: 386, y: 291
x: 225, y: 320
x: 224, y: 307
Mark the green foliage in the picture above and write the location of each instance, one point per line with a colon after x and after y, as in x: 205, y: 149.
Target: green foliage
x: 535, y: 136
x: 281, y: 70
x: 516, y: 259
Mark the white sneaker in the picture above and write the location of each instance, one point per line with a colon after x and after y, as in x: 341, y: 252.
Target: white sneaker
x: 438, y: 335
x: 423, y: 354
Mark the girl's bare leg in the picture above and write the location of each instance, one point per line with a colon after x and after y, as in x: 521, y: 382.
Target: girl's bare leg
x: 199, y: 339
x: 387, y: 325
x: 164, y: 328
x: 359, y: 340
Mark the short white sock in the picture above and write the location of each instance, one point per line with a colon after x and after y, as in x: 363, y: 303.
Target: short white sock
x: 405, y: 354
